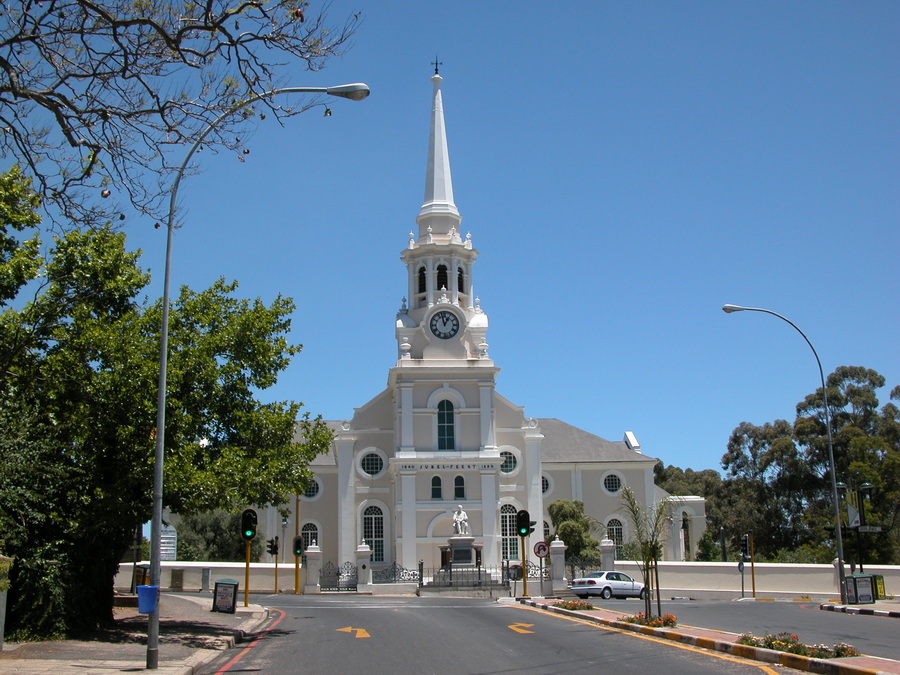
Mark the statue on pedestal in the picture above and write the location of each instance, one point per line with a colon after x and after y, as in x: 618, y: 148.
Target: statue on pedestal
x: 460, y: 521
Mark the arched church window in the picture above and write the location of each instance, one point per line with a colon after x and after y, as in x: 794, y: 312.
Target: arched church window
x: 446, y: 431
x: 436, y: 488
x: 546, y: 530
x: 509, y: 540
x: 616, y: 533
x: 373, y: 532
x: 442, y: 277
x: 459, y: 488
x: 310, y: 534
x: 460, y: 280
x: 421, y: 280
x: 686, y: 535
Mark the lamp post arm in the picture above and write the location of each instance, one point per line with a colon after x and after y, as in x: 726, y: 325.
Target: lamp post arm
x: 839, y: 539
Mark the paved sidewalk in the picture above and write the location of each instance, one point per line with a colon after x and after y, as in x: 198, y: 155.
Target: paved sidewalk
x: 190, y: 635
x: 727, y: 642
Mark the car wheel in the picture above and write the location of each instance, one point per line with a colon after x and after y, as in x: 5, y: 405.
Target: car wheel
x: 643, y: 595
x: 607, y: 593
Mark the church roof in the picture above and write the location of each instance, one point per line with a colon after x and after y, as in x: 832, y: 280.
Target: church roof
x: 566, y: 443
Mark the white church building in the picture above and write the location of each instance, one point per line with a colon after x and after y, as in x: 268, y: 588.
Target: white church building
x: 440, y: 436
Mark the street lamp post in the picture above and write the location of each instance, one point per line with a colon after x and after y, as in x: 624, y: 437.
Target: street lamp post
x: 354, y: 92
x: 728, y: 309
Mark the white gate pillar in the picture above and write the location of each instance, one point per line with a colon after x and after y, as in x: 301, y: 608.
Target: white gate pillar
x: 558, y: 566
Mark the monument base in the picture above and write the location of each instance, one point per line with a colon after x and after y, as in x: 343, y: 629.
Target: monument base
x: 462, y: 551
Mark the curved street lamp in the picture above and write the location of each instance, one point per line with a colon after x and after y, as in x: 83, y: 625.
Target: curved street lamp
x: 728, y: 309
x: 355, y: 92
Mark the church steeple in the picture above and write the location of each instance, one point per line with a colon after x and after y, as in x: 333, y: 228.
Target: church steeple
x: 443, y: 320
x: 438, y: 212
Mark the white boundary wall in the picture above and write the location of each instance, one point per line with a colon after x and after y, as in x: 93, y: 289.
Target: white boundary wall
x: 702, y: 581
x: 718, y: 580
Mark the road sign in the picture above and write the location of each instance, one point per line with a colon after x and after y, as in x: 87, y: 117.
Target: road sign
x: 870, y: 528
x: 541, y: 550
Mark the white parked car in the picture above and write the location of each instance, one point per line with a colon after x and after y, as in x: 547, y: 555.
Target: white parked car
x: 608, y: 585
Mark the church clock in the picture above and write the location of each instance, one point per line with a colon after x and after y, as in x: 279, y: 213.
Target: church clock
x: 444, y: 325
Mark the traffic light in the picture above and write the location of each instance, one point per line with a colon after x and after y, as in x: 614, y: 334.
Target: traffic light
x: 745, y: 546
x: 524, y: 524
x: 298, y: 546
x: 248, y: 525
x: 272, y: 546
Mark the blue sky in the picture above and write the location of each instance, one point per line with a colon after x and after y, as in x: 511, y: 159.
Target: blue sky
x: 625, y: 168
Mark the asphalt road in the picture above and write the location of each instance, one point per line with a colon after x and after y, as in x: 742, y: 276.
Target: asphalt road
x: 404, y: 636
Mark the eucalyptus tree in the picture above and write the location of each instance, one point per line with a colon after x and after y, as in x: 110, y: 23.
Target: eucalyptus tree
x: 777, y: 482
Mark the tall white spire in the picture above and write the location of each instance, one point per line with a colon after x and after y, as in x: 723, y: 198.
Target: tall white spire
x: 438, y: 211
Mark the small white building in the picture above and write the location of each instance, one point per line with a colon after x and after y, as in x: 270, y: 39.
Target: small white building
x: 440, y: 436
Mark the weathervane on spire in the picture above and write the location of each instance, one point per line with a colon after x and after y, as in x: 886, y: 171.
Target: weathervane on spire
x: 436, y: 63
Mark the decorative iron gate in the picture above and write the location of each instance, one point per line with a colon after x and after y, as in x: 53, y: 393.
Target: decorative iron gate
x: 334, y: 578
x: 393, y: 574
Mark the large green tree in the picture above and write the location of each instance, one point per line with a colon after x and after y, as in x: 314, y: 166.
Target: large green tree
x: 78, y: 379
x: 575, y: 528
x: 778, y: 486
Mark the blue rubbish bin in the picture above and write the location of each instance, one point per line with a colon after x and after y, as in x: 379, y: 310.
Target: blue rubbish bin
x: 148, y: 599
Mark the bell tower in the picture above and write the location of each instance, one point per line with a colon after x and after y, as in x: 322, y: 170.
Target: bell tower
x: 440, y: 318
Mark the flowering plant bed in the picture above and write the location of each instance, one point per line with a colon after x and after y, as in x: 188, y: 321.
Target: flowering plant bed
x: 787, y: 642
x: 574, y: 604
x: 652, y: 621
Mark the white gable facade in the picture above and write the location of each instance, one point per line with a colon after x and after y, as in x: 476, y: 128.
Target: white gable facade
x: 440, y: 437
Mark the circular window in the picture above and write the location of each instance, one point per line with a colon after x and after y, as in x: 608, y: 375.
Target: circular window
x: 546, y: 483
x: 509, y: 462
x: 612, y: 483
x: 312, y: 491
x: 372, y: 464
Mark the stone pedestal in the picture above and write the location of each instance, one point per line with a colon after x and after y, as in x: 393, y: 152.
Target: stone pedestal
x: 462, y: 551
x: 607, y: 554
x: 363, y: 568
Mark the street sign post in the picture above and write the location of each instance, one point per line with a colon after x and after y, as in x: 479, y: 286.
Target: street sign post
x: 541, y: 550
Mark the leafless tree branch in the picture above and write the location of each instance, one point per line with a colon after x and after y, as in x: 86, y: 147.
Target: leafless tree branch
x: 97, y: 96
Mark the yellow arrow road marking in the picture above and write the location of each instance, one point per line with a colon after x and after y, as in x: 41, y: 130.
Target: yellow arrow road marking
x: 360, y: 632
x: 520, y: 627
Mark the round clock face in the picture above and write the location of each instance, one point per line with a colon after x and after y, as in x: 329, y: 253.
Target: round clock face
x: 444, y: 325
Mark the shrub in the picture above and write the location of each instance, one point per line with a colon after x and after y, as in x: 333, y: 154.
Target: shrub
x: 574, y: 604
x: 787, y: 642
x: 666, y: 620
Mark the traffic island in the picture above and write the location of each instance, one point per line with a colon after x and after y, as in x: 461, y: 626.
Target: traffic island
x: 729, y: 643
